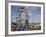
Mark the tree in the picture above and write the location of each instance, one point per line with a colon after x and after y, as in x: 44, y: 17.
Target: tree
x: 22, y: 18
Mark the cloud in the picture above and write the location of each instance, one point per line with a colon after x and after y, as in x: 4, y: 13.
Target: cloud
x: 13, y: 18
x: 32, y: 11
x: 29, y: 11
x: 36, y: 10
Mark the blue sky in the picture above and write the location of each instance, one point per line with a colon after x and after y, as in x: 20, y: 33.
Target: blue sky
x: 34, y: 11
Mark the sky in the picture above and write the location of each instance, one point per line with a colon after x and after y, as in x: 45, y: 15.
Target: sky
x: 34, y: 13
